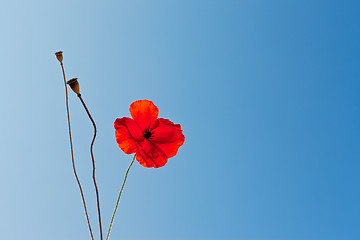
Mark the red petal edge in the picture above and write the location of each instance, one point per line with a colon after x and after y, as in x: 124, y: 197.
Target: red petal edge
x: 164, y: 143
x: 144, y: 112
x: 127, y: 132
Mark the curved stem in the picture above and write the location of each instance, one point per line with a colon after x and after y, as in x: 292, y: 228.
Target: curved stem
x: 118, y: 199
x: 93, y: 163
x: 72, y: 154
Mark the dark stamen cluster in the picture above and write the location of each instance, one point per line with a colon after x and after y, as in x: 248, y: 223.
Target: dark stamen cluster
x: 147, y: 134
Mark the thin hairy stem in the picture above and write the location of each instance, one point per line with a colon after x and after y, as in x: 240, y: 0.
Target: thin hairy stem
x: 93, y: 163
x: 72, y: 153
x: 118, y: 199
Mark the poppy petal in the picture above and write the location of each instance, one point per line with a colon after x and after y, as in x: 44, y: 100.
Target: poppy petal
x: 127, y: 132
x: 150, y: 155
x: 167, y: 136
x: 144, y: 112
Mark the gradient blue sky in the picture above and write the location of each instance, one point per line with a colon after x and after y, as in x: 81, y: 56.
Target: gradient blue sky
x: 267, y: 93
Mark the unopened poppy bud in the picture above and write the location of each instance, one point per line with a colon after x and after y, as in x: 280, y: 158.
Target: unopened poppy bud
x: 59, y: 56
x: 74, y: 85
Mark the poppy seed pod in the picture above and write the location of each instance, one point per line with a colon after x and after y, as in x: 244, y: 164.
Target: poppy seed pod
x: 59, y: 56
x: 74, y: 85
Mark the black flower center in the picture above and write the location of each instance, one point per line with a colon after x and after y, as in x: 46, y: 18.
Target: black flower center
x: 147, y: 134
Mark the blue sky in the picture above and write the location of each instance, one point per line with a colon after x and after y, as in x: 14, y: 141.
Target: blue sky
x: 267, y: 94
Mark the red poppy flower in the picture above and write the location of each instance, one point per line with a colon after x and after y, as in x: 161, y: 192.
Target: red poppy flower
x: 153, y: 139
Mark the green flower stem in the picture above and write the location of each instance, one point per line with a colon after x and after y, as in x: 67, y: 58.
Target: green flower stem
x: 118, y: 200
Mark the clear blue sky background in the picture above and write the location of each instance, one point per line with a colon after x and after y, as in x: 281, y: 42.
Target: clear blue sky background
x: 267, y: 93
